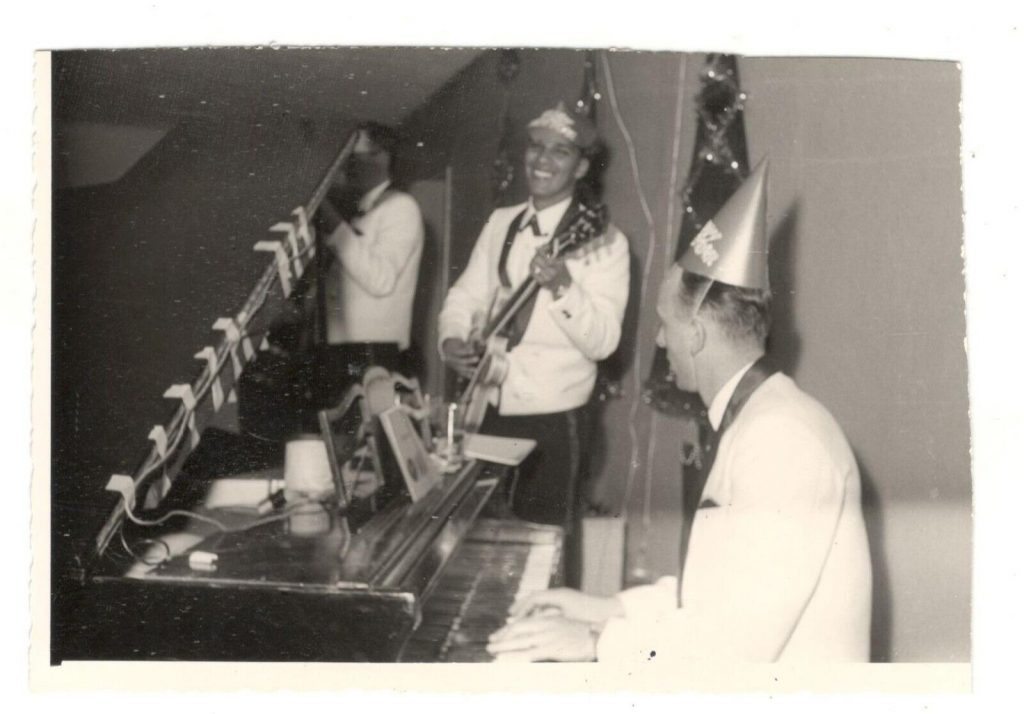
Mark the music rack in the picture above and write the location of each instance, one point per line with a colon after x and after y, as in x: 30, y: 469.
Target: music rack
x: 197, y: 409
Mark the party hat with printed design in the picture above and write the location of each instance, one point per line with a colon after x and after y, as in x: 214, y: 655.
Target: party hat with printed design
x: 732, y: 247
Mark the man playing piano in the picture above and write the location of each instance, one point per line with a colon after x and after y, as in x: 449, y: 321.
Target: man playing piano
x: 777, y: 566
x: 557, y: 340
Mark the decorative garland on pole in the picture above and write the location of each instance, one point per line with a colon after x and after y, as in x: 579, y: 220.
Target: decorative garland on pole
x: 504, y: 166
x: 718, y: 167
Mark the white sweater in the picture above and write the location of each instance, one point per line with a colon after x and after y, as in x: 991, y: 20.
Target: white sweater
x: 370, y: 289
x: 553, y: 368
x: 780, y: 569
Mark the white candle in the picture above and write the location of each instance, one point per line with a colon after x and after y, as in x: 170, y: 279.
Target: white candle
x: 451, y: 425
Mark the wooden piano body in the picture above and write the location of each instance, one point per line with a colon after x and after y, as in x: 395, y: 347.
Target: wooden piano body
x: 424, y: 581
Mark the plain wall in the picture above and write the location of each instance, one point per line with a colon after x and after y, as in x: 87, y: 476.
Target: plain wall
x: 96, y: 153
x: 866, y: 206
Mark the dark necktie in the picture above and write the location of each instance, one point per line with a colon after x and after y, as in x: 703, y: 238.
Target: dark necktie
x: 693, y: 482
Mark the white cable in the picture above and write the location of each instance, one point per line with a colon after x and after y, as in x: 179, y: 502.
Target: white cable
x: 669, y: 256
x: 673, y: 177
x: 634, y: 449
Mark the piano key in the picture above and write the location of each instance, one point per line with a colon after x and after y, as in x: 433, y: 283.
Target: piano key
x: 499, y: 564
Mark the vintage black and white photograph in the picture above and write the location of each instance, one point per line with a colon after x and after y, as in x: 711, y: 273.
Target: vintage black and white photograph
x: 395, y: 354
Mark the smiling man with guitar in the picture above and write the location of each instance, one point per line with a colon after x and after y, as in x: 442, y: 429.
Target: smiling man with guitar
x: 540, y: 302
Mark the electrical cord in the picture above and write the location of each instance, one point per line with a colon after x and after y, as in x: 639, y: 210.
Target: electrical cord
x: 634, y: 460
x: 634, y: 448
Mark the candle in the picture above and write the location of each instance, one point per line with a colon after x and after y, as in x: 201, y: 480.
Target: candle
x: 451, y: 427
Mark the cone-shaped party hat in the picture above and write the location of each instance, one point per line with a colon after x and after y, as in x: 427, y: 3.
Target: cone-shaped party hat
x: 732, y: 247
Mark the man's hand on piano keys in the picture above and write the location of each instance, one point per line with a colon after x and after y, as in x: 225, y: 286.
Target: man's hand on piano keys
x: 571, y: 604
x: 544, y: 638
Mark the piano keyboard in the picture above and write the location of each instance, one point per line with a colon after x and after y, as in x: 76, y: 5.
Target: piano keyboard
x: 500, y: 563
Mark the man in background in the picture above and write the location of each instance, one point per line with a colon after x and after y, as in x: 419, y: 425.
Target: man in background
x: 777, y: 565
x: 378, y: 244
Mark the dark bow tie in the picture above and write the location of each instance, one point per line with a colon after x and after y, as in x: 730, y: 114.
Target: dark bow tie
x: 533, y: 225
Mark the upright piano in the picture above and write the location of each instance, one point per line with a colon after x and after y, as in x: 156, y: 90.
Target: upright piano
x: 417, y: 582
x: 403, y: 580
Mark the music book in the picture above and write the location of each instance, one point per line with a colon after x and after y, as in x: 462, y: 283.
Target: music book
x: 506, y: 450
x: 420, y: 472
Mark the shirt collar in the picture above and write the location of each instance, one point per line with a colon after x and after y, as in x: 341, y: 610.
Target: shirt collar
x: 716, y: 412
x: 371, y: 196
x: 547, y: 218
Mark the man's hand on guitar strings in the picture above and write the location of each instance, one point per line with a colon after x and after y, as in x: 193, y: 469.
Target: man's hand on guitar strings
x: 460, y: 355
x: 550, y: 273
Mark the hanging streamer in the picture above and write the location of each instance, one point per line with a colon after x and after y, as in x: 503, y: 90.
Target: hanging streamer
x: 281, y: 257
x: 216, y: 390
x: 303, y: 227
x: 248, y: 351
x: 184, y: 393
x: 158, y: 435
x: 233, y: 336
x: 289, y: 230
x: 125, y: 486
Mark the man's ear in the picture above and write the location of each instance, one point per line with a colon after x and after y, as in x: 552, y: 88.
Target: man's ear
x: 582, y: 168
x: 698, y: 336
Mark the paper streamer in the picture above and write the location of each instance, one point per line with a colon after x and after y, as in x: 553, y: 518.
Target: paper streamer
x: 289, y: 230
x: 157, y: 491
x: 303, y: 227
x: 184, y: 393
x: 247, y: 349
x: 160, y: 489
x: 159, y: 437
x: 231, y: 332
x: 283, y: 273
x: 125, y: 486
x: 216, y: 390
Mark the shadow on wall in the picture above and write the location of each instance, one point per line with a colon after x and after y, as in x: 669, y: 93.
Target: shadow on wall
x: 423, y: 302
x: 881, y: 586
x: 784, y: 346
x: 784, y: 341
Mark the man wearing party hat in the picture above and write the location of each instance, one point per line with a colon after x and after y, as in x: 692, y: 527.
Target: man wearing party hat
x: 777, y: 564
x: 555, y: 341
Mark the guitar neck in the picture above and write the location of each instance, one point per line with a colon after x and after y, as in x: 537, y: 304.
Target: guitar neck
x: 564, y: 241
x: 520, y: 297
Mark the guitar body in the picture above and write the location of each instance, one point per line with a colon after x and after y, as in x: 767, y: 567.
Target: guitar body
x: 587, y: 223
x: 490, y: 373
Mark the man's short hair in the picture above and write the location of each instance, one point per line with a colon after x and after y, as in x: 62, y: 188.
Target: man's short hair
x: 743, y: 314
x: 384, y: 137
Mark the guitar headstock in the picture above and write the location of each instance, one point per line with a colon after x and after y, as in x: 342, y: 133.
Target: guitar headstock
x: 589, y: 220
